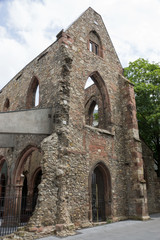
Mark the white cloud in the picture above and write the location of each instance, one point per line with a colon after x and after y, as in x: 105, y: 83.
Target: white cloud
x: 27, y: 27
x: 13, y: 56
x: 134, y: 29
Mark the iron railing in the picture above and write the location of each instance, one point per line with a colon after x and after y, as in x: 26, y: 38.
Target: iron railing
x: 14, y: 212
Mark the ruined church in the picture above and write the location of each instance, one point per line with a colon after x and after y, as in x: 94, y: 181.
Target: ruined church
x: 70, y: 152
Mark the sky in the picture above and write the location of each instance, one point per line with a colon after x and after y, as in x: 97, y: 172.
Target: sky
x: 27, y: 27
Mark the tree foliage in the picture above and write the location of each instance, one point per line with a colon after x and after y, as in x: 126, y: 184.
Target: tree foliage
x: 146, y: 79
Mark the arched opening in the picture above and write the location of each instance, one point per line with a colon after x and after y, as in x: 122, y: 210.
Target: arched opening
x: 93, y: 115
x: 97, y: 104
x: 98, y: 203
x: 36, y: 100
x: 37, y: 181
x: 100, y: 193
x: 24, y: 177
x: 33, y: 93
x: 6, y: 105
x: 94, y: 43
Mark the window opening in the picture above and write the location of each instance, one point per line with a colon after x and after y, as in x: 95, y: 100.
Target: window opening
x: 6, y: 104
x: 95, y: 116
x: 93, y: 47
x: 89, y: 83
x: 96, y: 49
x: 95, y: 44
x: 33, y: 94
x: 96, y: 103
x: 36, y: 103
x: 92, y: 109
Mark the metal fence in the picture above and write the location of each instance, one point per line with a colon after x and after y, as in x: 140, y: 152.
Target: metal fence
x: 14, y: 212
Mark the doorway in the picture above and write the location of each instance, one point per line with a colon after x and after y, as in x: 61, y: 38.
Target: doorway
x: 100, y: 193
x: 98, y: 202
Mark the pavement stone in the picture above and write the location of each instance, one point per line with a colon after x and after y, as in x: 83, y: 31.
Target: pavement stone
x: 124, y: 230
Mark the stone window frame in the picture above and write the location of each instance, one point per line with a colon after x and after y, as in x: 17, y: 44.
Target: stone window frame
x: 89, y: 109
x: 31, y: 94
x: 106, y: 107
x: 91, y: 113
x: 95, y: 46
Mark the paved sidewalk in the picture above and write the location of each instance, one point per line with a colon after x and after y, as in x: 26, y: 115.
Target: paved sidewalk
x: 125, y: 230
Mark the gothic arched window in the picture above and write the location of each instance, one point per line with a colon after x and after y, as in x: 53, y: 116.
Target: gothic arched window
x: 96, y: 103
x: 33, y: 93
x: 95, y: 44
x: 6, y: 105
x: 93, y: 115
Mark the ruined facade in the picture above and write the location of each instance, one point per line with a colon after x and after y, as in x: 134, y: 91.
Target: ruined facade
x: 88, y: 166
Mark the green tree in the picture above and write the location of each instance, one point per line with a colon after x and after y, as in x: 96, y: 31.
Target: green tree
x: 146, y: 79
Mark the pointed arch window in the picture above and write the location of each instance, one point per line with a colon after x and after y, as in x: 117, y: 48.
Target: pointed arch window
x: 36, y: 99
x: 95, y: 44
x: 93, y: 47
x: 6, y: 105
x: 96, y: 103
x: 33, y: 93
x: 93, y: 114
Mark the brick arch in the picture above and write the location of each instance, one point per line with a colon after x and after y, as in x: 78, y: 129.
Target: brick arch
x: 104, y: 98
x: 30, y: 101
x: 107, y: 188
x: 18, y: 170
